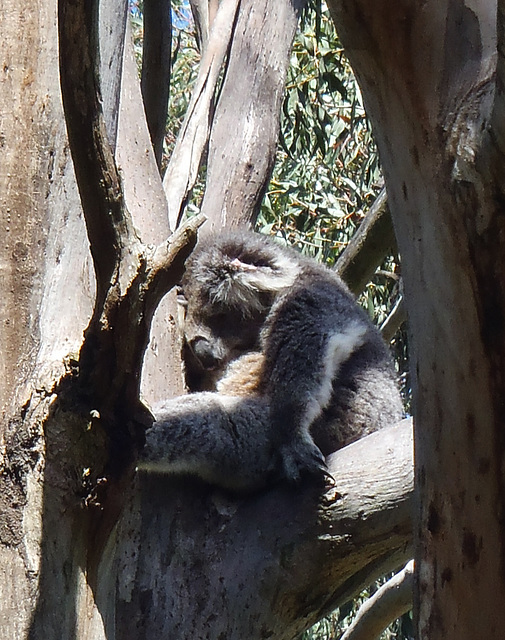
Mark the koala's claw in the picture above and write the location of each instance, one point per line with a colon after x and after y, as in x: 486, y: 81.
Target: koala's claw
x: 302, y: 457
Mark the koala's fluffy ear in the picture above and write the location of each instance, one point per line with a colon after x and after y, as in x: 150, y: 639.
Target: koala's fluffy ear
x: 243, y: 281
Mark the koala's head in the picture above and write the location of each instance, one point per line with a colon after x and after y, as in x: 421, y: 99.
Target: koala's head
x: 230, y: 284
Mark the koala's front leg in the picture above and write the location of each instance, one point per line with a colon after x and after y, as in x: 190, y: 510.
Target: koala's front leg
x: 306, y: 343
x: 224, y: 440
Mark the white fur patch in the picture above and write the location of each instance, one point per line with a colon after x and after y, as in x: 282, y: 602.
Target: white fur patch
x: 241, y: 287
x: 339, y: 348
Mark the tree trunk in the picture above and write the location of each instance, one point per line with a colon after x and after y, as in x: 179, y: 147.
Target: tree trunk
x: 72, y: 349
x: 267, y: 565
x: 47, y: 298
x: 426, y: 72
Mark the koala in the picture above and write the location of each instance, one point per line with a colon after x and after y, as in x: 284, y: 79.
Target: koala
x: 283, y: 365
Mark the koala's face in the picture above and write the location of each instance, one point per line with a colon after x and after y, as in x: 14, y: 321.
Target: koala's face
x: 229, y: 287
x: 214, y: 336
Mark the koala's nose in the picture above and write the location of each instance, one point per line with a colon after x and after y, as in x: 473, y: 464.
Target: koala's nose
x: 206, y: 354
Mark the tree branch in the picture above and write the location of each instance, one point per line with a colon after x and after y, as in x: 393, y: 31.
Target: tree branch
x: 167, y: 264
x: 112, y: 24
x: 394, y: 320
x: 110, y: 229
x: 245, y: 127
x: 203, y: 12
x: 185, y: 161
x: 368, y: 247
x: 389, y: 602
x: 156, y: 67
x: 269, y: 564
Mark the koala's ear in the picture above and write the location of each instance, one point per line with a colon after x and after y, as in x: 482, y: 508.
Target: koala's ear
x: 278, y: 274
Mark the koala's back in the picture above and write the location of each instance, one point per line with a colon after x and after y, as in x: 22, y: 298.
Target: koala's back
x: 277, y: 326
x: 354, y: 370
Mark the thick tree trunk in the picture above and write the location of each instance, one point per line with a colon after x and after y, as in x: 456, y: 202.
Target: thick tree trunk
x: 269, y: 564
x: 426, y: 71
x: 46, y: 291
x: 69, y: 403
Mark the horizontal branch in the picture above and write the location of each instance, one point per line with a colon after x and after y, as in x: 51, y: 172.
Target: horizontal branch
x: 272, y: 563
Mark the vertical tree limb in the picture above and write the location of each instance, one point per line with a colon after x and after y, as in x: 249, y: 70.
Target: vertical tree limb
x: 109, y: 225
x: 185, y: 161
x: 156, y: 68
x: 112, y: 24
x: 427, y: 77
x: 245, y: 126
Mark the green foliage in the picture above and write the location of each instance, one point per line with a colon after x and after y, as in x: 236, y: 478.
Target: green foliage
x: 327, y: 171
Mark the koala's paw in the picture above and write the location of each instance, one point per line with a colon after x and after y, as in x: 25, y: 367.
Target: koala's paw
x: 302, y: 456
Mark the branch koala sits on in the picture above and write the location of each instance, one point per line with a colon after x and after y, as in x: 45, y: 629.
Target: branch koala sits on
x: 284, y: 365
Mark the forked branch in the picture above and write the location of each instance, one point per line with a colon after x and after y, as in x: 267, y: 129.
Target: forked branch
x: 131, y: 277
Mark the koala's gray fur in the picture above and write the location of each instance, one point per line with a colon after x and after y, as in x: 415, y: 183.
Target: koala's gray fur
x: 300, y: 370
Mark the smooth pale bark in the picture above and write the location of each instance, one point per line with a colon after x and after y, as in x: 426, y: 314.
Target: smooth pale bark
x: 46, y: 291
x: 147, y: 203
x: 245, y: 126
x: 113, y: 21
x: 182, y: 170
x: 391, y: 600
x: 426, y: 72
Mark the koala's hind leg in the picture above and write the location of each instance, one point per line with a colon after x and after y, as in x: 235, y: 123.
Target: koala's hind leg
x: 242, y: 376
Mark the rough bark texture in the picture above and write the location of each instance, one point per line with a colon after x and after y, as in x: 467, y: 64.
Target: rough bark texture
x: 426, y: 72
x: 270, y: 564
x: 65, y: 447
